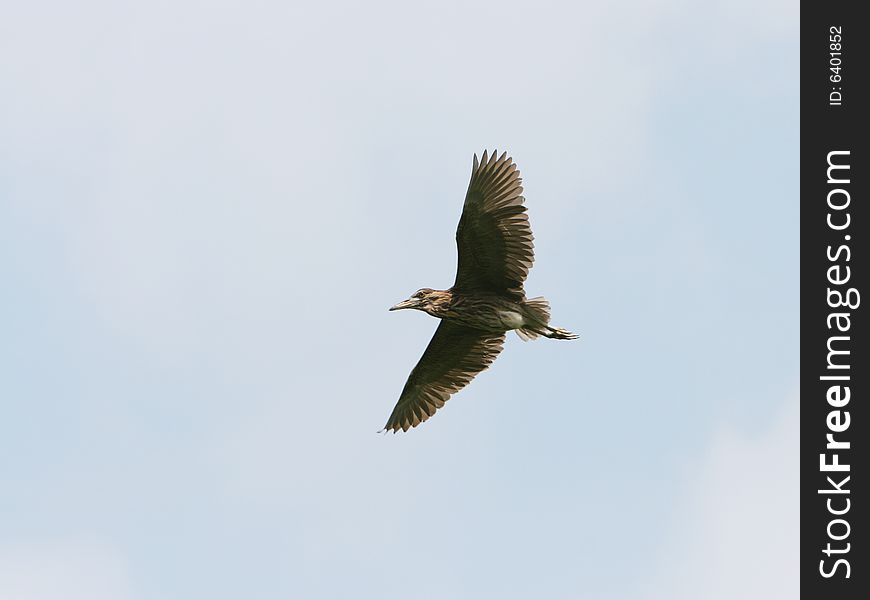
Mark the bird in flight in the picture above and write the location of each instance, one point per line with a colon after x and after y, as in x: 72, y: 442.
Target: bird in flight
x: 487, y: 300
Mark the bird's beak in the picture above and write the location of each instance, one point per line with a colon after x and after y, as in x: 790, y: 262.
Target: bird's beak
x: 409, y: 303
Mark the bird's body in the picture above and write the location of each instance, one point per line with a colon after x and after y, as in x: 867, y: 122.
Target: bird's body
x: 485, y: 312
x: 487, y: 299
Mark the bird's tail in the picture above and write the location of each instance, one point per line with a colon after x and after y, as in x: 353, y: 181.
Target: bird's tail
x: 537, y: 316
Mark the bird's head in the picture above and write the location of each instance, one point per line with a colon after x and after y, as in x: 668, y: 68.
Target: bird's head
x: 425, y: 299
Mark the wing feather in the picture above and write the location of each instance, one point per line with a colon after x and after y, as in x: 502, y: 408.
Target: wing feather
x: 451, y: 360
x: 494, y: 239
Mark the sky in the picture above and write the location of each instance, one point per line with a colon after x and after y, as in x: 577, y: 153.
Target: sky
x: 206, y: 209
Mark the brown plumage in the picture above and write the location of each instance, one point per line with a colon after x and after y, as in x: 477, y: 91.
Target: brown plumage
x: 494, y: 242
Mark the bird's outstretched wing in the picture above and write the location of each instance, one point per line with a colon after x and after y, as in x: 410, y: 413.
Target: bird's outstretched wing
x: 494, y: 239
x: 454, y: 356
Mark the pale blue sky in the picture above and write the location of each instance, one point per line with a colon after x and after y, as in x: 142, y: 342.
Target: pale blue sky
x: 207, y: 208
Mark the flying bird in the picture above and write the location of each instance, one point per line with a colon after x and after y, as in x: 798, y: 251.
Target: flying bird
x: 487, y: 300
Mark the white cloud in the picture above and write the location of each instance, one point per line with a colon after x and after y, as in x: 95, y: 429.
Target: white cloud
x: 737, y: 533
x: 63, y: 570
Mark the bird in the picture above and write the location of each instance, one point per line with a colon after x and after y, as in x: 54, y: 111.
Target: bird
x: 494, y: 244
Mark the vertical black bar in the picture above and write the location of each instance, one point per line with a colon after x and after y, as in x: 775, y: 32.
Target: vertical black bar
x: 834, y: 265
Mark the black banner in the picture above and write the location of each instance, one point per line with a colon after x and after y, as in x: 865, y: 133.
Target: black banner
x: 834, y: 264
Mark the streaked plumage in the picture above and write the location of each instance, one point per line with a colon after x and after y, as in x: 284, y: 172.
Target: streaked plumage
x: 494, y: 243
